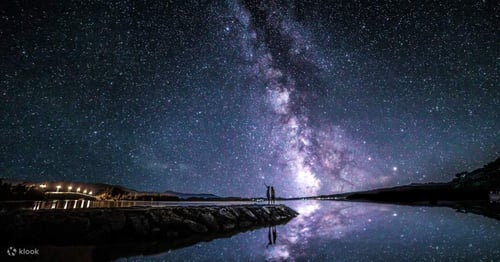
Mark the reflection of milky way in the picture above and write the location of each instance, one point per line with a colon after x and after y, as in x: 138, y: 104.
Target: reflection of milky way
x: 347, y: 231
x: 317, y: 222
x: 313, y: 157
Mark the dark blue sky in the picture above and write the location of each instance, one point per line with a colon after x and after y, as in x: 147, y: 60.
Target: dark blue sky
x: 313, y: 97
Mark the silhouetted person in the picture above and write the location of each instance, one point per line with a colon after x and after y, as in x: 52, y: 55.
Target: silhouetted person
x: 273, y: 197
x: 268, y: 193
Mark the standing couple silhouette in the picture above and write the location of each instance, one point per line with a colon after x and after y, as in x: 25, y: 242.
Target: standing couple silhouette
x: 271, y: 198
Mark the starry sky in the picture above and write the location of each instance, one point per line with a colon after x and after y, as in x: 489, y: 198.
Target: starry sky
x: 313, y: 97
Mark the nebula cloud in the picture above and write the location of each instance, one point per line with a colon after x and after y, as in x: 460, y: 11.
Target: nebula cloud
x: 314, y: 158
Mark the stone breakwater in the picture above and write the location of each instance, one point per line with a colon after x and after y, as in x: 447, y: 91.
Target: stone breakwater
x: 101, y: 226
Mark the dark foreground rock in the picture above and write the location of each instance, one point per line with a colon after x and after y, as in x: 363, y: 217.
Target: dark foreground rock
x: 106, y: 234
x: 95, y: 226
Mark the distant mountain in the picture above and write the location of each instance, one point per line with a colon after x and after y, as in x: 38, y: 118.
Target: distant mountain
x: 191, y: 196
x: 475, y: 185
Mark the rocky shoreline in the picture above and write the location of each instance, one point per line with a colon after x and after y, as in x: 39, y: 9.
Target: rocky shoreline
x: 174, y: 225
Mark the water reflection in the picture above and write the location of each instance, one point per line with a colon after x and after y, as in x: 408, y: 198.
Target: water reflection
x: 84, y: 203
x: 272, y: 235
x: 341, y: 231
x: 298, y: 231
x: 360, y: 231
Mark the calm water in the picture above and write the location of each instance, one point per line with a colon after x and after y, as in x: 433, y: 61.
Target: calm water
x: 342, y: 231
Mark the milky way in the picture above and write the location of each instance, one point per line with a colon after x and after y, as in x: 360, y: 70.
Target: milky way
x: 312, y: 157
x: 226, y: 96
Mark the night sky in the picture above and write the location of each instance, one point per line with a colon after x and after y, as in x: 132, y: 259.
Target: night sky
x: 313, y: 97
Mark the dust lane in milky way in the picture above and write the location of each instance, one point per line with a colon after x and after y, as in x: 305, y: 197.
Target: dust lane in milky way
x: 312, y: 157
x: 313, y: 97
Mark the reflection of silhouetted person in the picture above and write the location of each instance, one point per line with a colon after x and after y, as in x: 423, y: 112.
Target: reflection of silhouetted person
x: 275, y: 235
x: 272, y: 235
x: 273, y: 198
x: 269, y: 237
x: 268, y: 193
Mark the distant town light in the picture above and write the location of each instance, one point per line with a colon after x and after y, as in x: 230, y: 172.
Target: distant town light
x: 85, y: 191
x: 69, y: 188
x: 78, y: 190
x: 58, y: 187
x: 43, y: 186
x: 90, y: 192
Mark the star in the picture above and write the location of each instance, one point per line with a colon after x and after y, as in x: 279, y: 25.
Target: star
x: 305, y: 96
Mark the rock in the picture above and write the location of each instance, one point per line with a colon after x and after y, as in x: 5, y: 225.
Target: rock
x: 226, y: 213
x: 195, y: 227
x: 118, y: 221
x: 209, y: 220
x: 228, y: 226
x: 139, y: 224
x: 249, y: 213
x: 93, y: 226
x: 245, y: 223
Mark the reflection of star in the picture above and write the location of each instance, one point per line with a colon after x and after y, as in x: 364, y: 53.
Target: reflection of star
x: 325, y: 220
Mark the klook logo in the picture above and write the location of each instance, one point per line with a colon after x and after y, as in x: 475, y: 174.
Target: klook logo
x: 12, y: 251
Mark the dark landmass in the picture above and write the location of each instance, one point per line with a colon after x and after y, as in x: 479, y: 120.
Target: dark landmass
x: 28, y: 190
x: 12, y: 190
x: 121, y: 232
x: 475, y: 185
x: 191, y: 196
x: 475, y: 192
x: 208, y: 197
